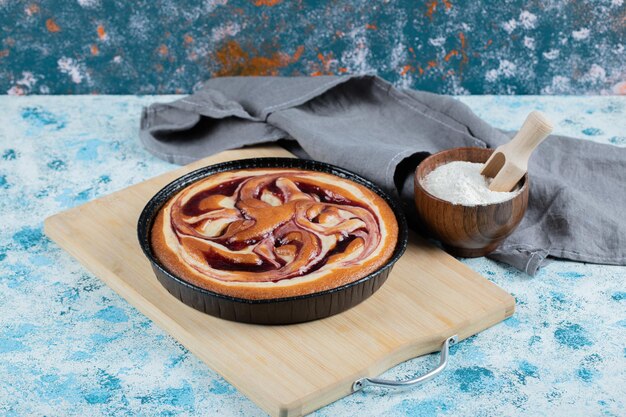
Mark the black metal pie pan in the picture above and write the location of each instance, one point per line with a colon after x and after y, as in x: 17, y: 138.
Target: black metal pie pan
x: 288, y: 310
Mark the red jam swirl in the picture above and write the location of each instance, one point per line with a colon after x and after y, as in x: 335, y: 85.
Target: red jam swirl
x: 272, y: 227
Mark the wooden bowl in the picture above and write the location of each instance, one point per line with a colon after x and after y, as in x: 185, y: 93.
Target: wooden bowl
x: 466, y: 231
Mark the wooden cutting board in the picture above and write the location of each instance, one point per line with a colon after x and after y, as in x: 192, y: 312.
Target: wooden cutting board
x: 295, y: 369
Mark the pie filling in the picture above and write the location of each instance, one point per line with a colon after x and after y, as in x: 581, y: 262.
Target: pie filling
x: 273, y: 226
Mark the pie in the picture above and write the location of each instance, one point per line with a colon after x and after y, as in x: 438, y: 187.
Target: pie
x: 273, y: 233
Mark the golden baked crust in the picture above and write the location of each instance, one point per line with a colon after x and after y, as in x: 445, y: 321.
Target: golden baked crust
x: 273, y: 233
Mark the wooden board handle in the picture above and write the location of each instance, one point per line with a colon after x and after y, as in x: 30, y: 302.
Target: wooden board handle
x: 359, y: 384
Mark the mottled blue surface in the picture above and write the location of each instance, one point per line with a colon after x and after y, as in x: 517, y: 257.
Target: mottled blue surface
x: 70, y: 346
x: 446, y: 46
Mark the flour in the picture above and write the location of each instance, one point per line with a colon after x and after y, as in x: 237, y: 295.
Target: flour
x: 461, y: 182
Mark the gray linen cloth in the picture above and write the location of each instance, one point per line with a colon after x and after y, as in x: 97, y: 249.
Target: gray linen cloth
x: 578, y: 188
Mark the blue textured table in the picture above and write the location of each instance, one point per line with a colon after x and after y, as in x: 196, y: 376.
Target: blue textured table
x: 70, y: 346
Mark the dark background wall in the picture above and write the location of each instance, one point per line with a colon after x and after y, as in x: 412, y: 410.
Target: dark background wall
x: 446, y: 46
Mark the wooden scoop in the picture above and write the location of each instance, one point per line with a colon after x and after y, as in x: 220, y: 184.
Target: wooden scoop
x: 509, y: 162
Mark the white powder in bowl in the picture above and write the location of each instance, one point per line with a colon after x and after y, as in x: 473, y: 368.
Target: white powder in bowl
x: 461, y: 182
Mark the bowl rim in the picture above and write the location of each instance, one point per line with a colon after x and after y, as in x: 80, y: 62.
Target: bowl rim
x: 418, y: 184
x: 148, y: 214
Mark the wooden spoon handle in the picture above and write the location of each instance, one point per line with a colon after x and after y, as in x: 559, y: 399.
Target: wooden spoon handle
x: 509, y: 162
x: 534, y: 130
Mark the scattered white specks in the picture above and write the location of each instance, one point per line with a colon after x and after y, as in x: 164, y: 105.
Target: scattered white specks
x: 455, y: 88
x: 28, y: 80
x: 529, y: 42
x: 223, y: 31
x: 437, y: 41
x: 24, y: 85
x: 16, y: 90
x: 580, y: 34
x: 199, y: 49
x: 527, y: 20
x: 398, y: 55
x: 617, y: 3
x: 491, y: 75
x: 211, y: 5
x: 595, y: 73
x: 356, y: 58
x: 405, y: 82
x: 559, y: 85
x: 506, y: 69
x: 139, y: 25
x: 509, y: 26
x: 72, y: 68
x: 551, y: 54
x: 89, y: 3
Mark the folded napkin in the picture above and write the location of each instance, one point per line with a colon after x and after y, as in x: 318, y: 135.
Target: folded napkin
x: 362, y: 123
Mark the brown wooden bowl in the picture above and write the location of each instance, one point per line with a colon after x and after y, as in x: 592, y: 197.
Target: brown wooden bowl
x: 467, y: 231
